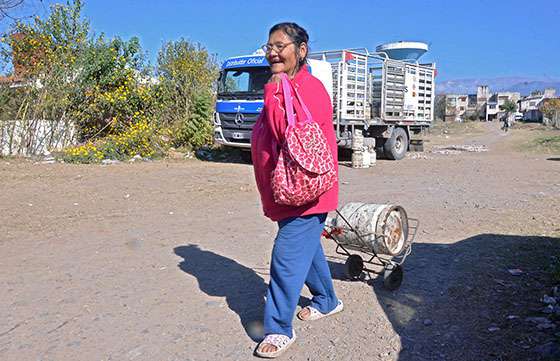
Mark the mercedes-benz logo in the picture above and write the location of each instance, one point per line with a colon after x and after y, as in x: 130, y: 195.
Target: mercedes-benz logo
x: 239, y: 118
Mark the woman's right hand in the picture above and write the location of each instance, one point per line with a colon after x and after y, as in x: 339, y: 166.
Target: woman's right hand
x: 275, y: 78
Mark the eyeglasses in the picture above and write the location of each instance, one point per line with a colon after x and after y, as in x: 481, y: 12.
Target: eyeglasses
x: 278, y: 48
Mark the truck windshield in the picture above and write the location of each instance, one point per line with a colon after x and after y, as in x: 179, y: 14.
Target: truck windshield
x: 244, y: 80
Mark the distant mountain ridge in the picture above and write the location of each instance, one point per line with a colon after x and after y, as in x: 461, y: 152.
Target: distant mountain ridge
x: 523, y: 85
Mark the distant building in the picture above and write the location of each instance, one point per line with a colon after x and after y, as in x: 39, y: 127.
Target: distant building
x: 495, y: 103
x: 455, y: 107
x: 482, y: 95
x: 530, y: 105
x: 482, y: 106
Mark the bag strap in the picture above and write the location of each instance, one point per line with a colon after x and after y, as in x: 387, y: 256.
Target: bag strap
x: 303, y: 106
x: 288, y: 105
x: 290, y: 110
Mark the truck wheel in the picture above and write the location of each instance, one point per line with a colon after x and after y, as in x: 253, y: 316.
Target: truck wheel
x: 396, y: 146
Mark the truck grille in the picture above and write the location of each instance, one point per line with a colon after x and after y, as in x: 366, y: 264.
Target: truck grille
x: 246, y: 122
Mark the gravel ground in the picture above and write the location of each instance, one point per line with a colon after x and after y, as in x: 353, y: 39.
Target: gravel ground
x: 168, y: 260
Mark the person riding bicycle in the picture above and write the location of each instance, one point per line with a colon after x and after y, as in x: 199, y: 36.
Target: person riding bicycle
x: 506, y: 125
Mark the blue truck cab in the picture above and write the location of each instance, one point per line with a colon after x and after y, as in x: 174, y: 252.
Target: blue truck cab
x: 239, y: 99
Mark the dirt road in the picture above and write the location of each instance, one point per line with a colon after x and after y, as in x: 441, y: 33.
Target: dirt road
x: 168, y: 260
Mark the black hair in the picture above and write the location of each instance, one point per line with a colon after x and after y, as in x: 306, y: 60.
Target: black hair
x: 297, y: 34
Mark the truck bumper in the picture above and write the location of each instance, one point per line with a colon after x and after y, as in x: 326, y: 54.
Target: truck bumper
x: 220, y: 139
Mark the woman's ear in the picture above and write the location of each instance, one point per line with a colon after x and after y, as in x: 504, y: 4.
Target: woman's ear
x: 303, y: 50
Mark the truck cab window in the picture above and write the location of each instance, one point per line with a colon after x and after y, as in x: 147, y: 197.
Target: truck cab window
x: 246, y: 80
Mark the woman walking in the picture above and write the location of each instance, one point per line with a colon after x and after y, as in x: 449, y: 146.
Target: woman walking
x: 297, y: 255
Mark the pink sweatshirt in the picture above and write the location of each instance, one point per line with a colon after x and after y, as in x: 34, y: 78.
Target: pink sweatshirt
x: 269, y: 132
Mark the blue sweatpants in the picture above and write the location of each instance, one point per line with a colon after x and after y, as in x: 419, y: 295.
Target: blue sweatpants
x: 297, y: 258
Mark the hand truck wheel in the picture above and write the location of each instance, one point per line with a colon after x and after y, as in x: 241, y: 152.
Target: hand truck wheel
x: 354, y: 266
x: 393, y: 276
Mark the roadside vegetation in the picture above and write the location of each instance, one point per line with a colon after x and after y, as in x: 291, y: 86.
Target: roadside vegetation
x: 536, y: 138
x: 547, y: 144
x: 119, y: 104
x: 457, y: 128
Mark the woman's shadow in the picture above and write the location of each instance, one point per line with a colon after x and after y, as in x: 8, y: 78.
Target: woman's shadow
x: 220, y: 276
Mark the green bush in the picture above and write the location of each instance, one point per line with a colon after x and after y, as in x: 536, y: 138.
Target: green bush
x: 196, y: 130
x: 141, y: 138
x: 186, y: 74
x: 105, y: 85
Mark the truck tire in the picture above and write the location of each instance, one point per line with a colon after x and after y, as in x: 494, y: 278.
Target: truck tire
x: 395, y: 147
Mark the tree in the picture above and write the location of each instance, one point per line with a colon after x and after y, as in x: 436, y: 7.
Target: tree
x: 6, y: 6
x: 551, y: 111
x: 51, y: 45
x: 186, y: 74
x: 439, y: 106
x: 103, y: 87
x: 107, y: 92
x: 509, y: 107
x: 550, y: 107
x: 196, y: 131
x: 474, y: 116
x: 73, y: 79
x: 44, y: 54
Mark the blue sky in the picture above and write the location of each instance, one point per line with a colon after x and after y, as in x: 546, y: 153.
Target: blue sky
x: 468, y: 39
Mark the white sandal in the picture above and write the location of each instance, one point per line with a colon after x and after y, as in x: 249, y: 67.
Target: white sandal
x: 281, y: 342
x: 314, y: 313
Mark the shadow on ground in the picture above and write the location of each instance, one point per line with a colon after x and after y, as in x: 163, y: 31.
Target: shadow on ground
x: 224, y: 155
x: 242, y: 288
x: 236, y: 155
x: 554, y: 158
x: 461, y: 302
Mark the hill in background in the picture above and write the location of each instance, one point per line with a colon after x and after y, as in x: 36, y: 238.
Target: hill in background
x: 523, y: 85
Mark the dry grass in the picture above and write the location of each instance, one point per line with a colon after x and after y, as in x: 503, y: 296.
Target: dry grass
x: 536, y: 138
x: 442, y: 133
x: 456, y: 128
